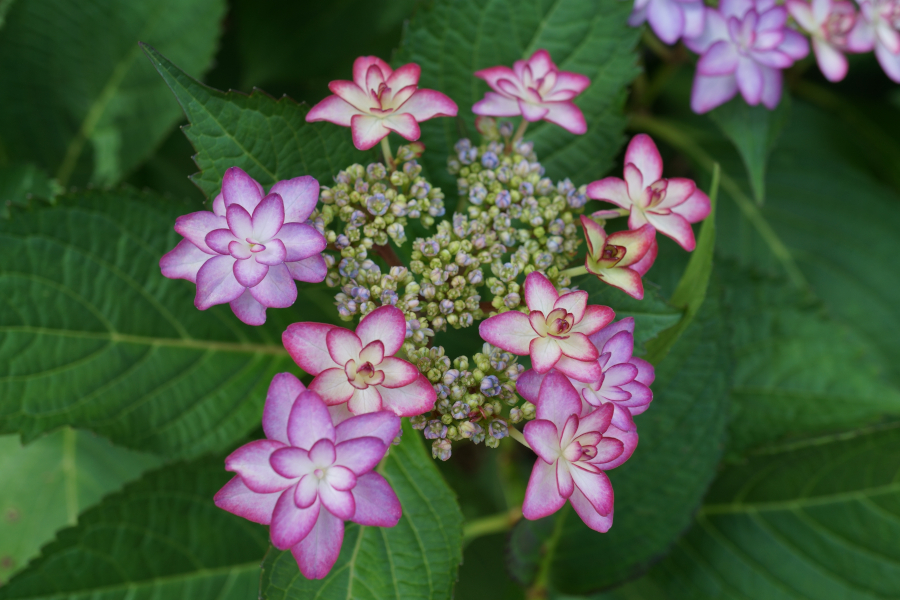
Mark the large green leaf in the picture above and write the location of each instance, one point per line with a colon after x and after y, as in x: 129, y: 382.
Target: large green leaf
x: 453, y: 39
x: 660, y: 487
x: 162, y: 537
x: 50, y: 481
x: 417, y: 558
x: 268, y: 138
x: 95, y: 337
x: 77, y: 98
x: 817, y: 520
x: 797, y: 371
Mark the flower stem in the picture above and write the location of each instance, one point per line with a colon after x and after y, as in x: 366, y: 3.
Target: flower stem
x: 520, y: 131
x: 517, y: 435
x: 388, y: 254
x: 386, y: 150
x: 491, y: 524
x: 574, y: 271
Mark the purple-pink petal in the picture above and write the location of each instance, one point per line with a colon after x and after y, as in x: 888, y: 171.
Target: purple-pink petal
x: 376, y: 503
x: 251, y: 462
x: 290, y: 523
x: 196, y: 226
x: 249, y: 272
x: 566, y: 115
x: 305, y: 342
x: 595, y: 487
x: 301, y: 241
x: 333, y: 386
x: 589, y: 514
x: 291, y: 463
x: 340, y: 503
x: 343, y: 345
x: 543, y: 438
x: 277, y: 289
x: 318, y: 551
x: 299, y: 195
x: 410, y: 400
x: 709, y: 92
x: 583, y: 370
x: 309, y: 421
x: 510, y: 331
x: 382, y: 425
x: 183, y: 262
x: 238, y: 499
x: 397, y: 372
x: 644, y: 155
x: 219, y: 240
x: 239, y: 221
x: 557, y: 400
x: 496, y: 105
x: 542, y: 496
x: 216, y: 283
x: 268, y: 217
x: 239, y: 188
x: 361, y: 454
x: 283, y: 391
x: 274, y: 253
x: 311, y: 270
x: 248, y: 309
x: 629, y: 441
x: 386, y: 324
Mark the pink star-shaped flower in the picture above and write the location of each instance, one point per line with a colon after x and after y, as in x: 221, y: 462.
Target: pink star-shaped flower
x: 555, y: 331
x: 310, y: 475
x: 624, y: 382
x: 380, y: 100
x: 669, y: 205
x: 360, y: 368
x: 574, y: 450
x: 620, y: 259
x: 251, y: 247
x: 537, y: 90
x: 829, y: 23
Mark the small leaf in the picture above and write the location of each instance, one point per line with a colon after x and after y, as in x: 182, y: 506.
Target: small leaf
x: 753, y: 130
x: 267, y: 138
x: 77, y: 98
x: 417, y: 558
x: 49, y: 482
x: 453, y: 39
x: 161, y: 537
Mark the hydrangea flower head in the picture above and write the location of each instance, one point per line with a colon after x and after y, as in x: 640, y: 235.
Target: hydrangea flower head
x: 879, y: 28
x: 829, y: 23
x: 310, y: 475
x: 620, y: 259
x: 744, y: 45
x: 380, y: 100
x: 669, y: 205
x: 555, y: 331
x: 537, y: 90
x: 624, y: 382
x: 670, y: 19
x: 251, y: 247
x: 574, y: 450
x: 359, y: 367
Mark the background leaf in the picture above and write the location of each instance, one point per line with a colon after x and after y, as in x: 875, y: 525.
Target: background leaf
x: 21, y: 182
x: 267, y: 138
x: 417, y: 558
x: 453, y: 39
x: 50, y: 481
x: 95, y: 337
x: 92, y: 112
x: 162, y: 537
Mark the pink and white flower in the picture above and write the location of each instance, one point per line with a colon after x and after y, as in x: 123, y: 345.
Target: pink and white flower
x: 828, y: 23
x: 624, y: 382
x: 310, y: 475
x: 620, y: 259
x: 670, y: 19
x: 537, y: 90
x: 744, y: 45
x: 879, y: 28
x: 360, y: 368
x: 554, y: 333
x: 380, y: 100
x: 574, y: 450
x: 251, y: 247
x: 669, y: 205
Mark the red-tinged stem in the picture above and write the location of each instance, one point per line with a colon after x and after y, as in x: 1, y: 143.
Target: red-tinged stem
x: 388, y: 254
x: 520, y: 131
x: 517, y: 435
x: 386, y: 150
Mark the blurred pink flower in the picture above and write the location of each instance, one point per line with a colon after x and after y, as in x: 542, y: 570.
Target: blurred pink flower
x: 877, y: 27
x: 251, y: 247
x: 574, y: 450
x: 744, y: 45
x: 537, y: 90
x: 669, y: 205
x: 360, y: 368
x: 828, y: 23
x: 309, y: 476
x: 670, y: 19
x: 621, y: 258
x: 555, y: 331
x: 380, y: 100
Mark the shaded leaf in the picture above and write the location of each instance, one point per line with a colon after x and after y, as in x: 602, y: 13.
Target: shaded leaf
x: 418, y: 558
x: 50, y: 481
x: 267, y: 138
x: 453, y: 39
x: 161, y: 537
x: 21, y: 182
x: 77, y: 98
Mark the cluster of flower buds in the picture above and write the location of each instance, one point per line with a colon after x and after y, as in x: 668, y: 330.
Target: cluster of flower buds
x: 745, y: 44
x: 477, y: 405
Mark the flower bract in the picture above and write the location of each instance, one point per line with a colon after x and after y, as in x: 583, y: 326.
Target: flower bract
x: 248, y: 250
x: 670, y: 19
x: 309, y: 475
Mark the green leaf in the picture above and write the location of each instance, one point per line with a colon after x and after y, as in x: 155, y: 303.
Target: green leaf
x: 660, y: 487
x: 93, y: 336
x: 418, y: 558
x: 797, y: 371
x: 267, y: 138
x: 49, y: 482
x: 21, y: 182
x: 652, y: 315
x: 753, y: 130
x: 162, y: 537
x: 690, y: 292
x: 819, y: 520
x: 77, y: 100
x: 453, y: 39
